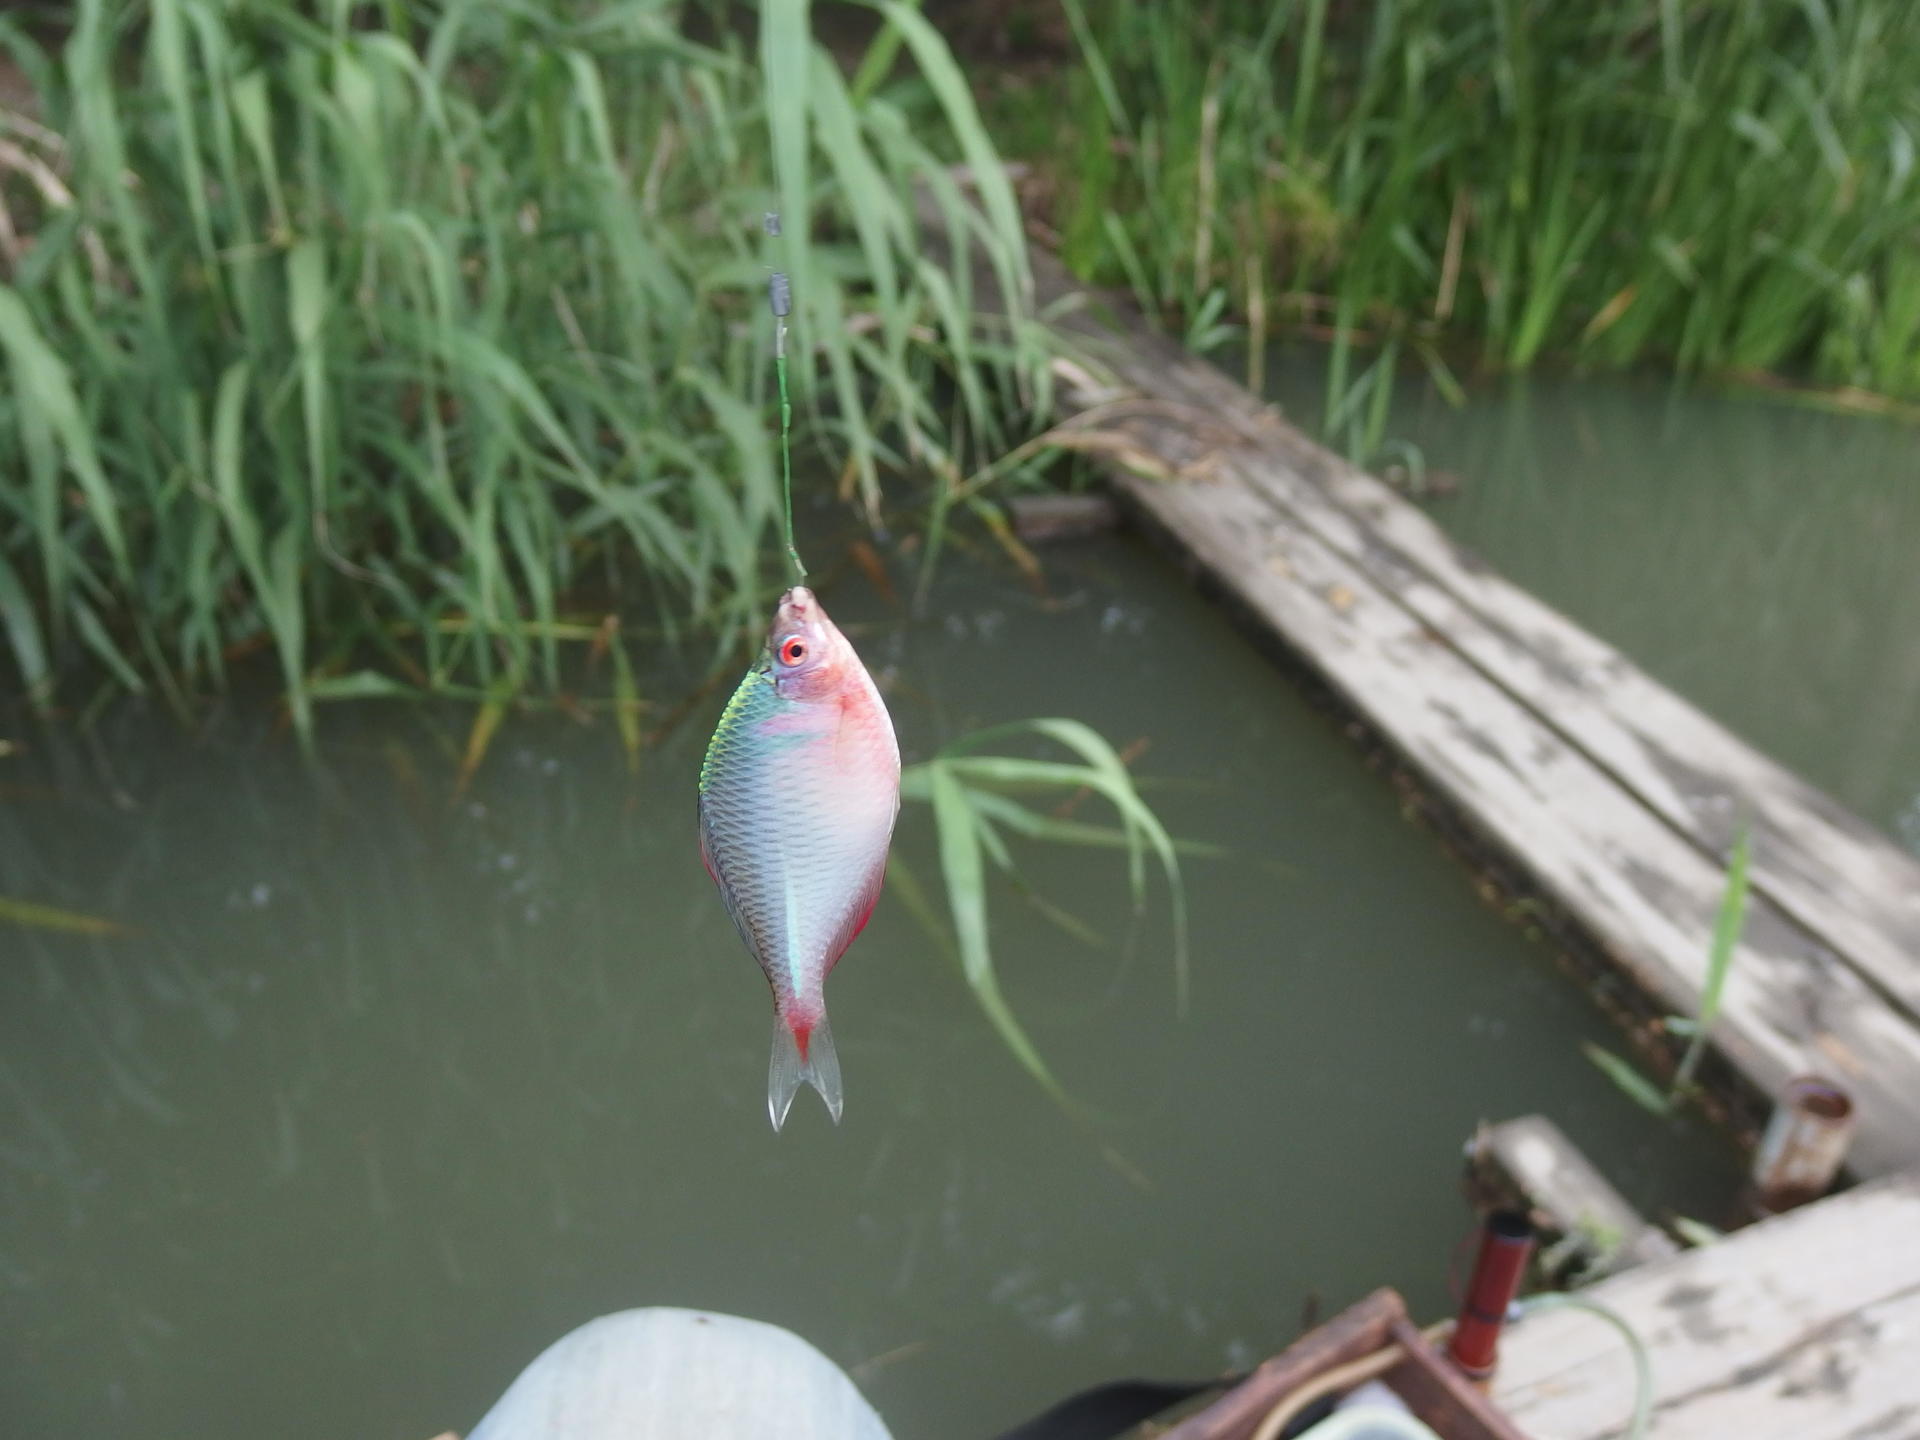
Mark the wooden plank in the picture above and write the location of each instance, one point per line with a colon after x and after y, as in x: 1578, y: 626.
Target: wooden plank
x: 1805, y: 1327
x: 1240, y: 496
x: 1832, y: 872
x: 1567, y: 1193
x: 1840, y: 878
x: 1646, y: 896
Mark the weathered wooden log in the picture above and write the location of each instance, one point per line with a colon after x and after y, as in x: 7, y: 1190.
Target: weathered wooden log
x: 1045, y: 519
x: 1529, y: 1163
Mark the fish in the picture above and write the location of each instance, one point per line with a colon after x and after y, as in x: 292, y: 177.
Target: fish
x: 798, y: 795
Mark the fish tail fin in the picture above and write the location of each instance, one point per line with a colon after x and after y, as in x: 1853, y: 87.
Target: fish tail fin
x: 802, y: 1052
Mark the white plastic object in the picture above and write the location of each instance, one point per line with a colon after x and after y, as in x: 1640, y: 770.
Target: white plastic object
x: 680, y: 1375
x: 1374, y: 1392
x: 1372, y: 1420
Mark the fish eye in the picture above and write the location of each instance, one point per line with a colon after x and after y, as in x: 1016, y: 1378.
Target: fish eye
x: 792, y: 650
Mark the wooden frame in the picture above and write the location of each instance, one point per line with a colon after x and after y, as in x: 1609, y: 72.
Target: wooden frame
x: 1439, y: 1395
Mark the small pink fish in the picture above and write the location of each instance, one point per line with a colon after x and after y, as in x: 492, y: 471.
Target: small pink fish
x: 798, y: 795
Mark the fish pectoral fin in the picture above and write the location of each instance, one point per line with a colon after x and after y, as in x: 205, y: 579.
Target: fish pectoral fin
x: 818, y: 1067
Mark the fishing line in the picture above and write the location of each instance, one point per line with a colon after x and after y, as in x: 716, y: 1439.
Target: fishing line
x: 780, y: 300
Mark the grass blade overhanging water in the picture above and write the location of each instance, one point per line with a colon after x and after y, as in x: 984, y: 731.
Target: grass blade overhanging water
x: 321, y: 335
x: 972, y: 799
x: 1729, y: 921
x: 36, y: 916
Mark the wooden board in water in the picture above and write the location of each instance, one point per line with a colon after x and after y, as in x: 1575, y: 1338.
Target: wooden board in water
x: 1608, y: 795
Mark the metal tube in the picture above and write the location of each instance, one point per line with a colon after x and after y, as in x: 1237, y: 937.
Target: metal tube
x: 1804, y: 1145
x: 1505, y: 1246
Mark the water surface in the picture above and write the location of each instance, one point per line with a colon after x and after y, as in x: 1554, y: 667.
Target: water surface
x: 381, y: 1094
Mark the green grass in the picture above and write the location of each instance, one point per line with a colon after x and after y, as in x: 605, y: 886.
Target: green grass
x: 1728, y: 922
x: 407, y: 341
x: 972, y: 796
x: 1726, y: 188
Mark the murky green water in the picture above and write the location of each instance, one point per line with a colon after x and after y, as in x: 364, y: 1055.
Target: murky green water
x: 1760, y: 558
x: 381, y: 1095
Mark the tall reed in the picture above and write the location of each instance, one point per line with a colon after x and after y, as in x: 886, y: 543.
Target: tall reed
x: 371, y: 333
x: 1721, y: 188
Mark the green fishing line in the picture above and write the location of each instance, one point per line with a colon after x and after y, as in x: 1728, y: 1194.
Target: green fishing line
x: 786, y: 459
x: 780, y: 300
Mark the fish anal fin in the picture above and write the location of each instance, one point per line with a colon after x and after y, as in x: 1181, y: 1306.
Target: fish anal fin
x: 865, y: 914
x: 858, y: 913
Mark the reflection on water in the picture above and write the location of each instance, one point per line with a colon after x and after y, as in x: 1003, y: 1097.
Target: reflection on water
x: 1758, y: 557
x: 382, y: 1094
